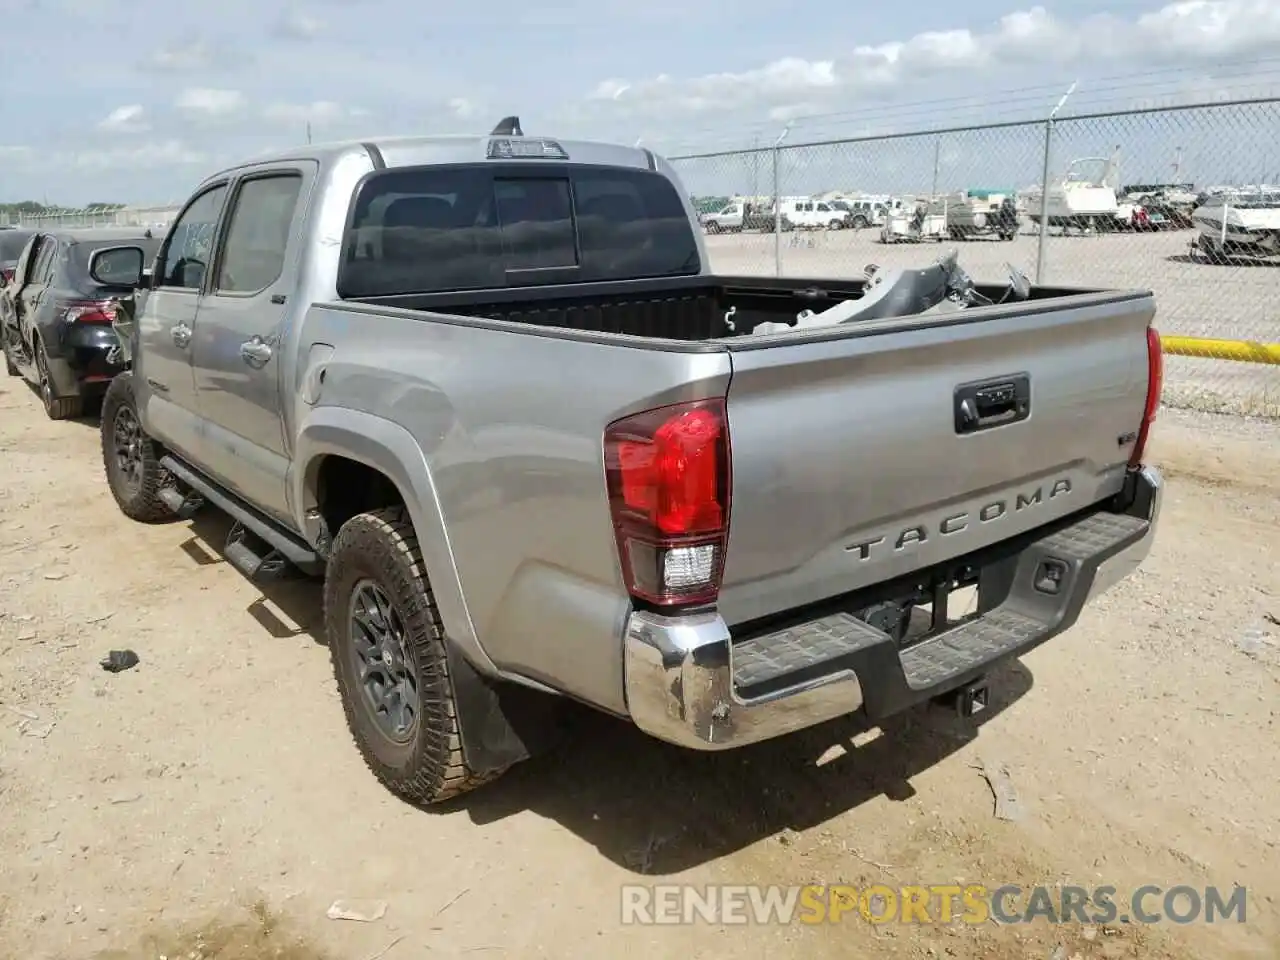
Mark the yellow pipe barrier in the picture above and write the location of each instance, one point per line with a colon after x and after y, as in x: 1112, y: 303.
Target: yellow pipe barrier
x: 1244, y: 351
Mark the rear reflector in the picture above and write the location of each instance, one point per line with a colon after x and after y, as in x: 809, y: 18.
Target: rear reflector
x: 1155, y: 384
x: 668, y: 475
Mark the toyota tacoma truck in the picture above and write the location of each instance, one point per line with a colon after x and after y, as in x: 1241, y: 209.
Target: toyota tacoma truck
x: 490, y: 390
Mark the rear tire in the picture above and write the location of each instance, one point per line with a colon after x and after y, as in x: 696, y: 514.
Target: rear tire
x: 131, y: 458
x: 55, y: 408
x: 387, y: 646
x: 10, y: 367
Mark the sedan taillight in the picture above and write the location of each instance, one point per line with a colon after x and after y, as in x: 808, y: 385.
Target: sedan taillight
x: 88, y: 311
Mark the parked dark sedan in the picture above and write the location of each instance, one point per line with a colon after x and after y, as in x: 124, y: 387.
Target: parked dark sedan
x: 12, y: 240
x: 55, y: 321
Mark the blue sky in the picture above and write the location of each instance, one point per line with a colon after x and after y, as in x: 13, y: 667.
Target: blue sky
x: 136, y: 102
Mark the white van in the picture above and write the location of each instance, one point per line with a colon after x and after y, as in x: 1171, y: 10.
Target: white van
x: 810, y: 214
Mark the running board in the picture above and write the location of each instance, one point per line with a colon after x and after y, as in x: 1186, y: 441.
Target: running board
x: 253, y: 563
x: 184, y: 507
x: 250, y: 559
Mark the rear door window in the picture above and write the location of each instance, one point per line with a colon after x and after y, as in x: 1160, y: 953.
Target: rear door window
x: 42, y: 268
x: 253, y: 254
x: 468, y: 227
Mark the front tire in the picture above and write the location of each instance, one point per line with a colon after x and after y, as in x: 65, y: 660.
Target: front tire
x: 131, y: 458
x: 387, y: 646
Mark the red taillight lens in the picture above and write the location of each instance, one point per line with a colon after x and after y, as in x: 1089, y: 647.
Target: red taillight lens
x: 668, y: 477
x: 88, y: 311
x: 6, y: 275
x: 1155, y: 383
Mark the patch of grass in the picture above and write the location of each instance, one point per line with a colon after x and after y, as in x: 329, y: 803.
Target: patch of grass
x: 259, y: 936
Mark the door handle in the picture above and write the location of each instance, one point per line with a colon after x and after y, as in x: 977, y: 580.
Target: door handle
x: 255, y: 352
x: 181, y: 335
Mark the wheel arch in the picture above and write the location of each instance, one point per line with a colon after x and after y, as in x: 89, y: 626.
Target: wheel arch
x: 369, y: 459
x: 337, y: 442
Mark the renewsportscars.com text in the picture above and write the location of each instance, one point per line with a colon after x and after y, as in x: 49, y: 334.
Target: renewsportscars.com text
x: 937, y: 903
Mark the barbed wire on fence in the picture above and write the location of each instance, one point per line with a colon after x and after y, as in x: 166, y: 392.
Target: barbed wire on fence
x: 128, y: 216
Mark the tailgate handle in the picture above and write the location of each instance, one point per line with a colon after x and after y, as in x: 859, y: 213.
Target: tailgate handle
x: 992, y: 403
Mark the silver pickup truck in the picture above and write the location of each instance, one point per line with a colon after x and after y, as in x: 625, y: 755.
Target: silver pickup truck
x: 489, y: 389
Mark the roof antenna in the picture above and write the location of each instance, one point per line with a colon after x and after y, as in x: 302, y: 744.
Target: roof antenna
x: 508, y: 127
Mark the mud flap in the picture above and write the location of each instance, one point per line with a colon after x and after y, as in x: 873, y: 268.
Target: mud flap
x: 501, y: 724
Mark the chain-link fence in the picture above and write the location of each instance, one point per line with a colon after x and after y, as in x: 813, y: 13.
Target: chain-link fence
x: 153, y: 217
x: 1183, y: 201
x: 1176, y: 201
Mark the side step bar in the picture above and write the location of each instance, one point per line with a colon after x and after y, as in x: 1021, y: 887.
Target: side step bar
x: 241, y: 552
x: 185, y: 507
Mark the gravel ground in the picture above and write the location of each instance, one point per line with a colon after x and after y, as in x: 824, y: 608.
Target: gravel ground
x: 1226, y: 301
x: 209, y: 804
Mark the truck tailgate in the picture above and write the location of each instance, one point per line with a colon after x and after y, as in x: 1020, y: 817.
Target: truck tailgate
x: 852, y: 463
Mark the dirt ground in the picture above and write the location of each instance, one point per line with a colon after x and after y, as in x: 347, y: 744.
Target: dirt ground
x: 209, y: 803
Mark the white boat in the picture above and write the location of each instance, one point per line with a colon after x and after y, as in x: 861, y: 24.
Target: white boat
x: 1240, y: 223
x: 1085, y: 197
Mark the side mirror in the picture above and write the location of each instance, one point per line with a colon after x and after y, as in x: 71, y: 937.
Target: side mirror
x: 117, y: 266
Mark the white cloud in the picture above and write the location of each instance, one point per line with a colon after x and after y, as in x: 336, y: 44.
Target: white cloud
x: 297, y: 25
x: 127, y: 119
x: 147, y: 155
x: 209, y: 102
x: 1181, y: 33
x: 462, y: 108
x: 189, y: 56
x: 317, y: 112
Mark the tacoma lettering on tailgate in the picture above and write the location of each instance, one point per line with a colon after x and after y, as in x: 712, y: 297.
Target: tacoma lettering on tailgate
x: 959, y: 522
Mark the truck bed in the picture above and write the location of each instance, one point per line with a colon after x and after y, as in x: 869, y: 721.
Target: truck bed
x: 688, y: 309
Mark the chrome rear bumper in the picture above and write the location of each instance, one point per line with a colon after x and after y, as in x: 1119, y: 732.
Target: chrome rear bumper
x: 689, y: 683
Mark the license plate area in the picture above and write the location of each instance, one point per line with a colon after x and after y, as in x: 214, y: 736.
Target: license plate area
x: 949, y: 599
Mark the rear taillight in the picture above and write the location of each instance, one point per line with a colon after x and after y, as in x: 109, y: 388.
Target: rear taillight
x: 88, y: 311
x: 1155, y: 382
x: 668, y: 476
x: 6, y: 275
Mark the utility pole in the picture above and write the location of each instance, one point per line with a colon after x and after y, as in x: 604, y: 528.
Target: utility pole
x: 755, y: 168
x: 308, y: 132
x: 937, y: 163
x: 1044, y: 181
x: 777, y: 204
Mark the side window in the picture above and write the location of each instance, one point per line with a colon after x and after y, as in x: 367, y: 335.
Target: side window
x: 258, y: 234
x: 823, y: 208
x: 190, y: 245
